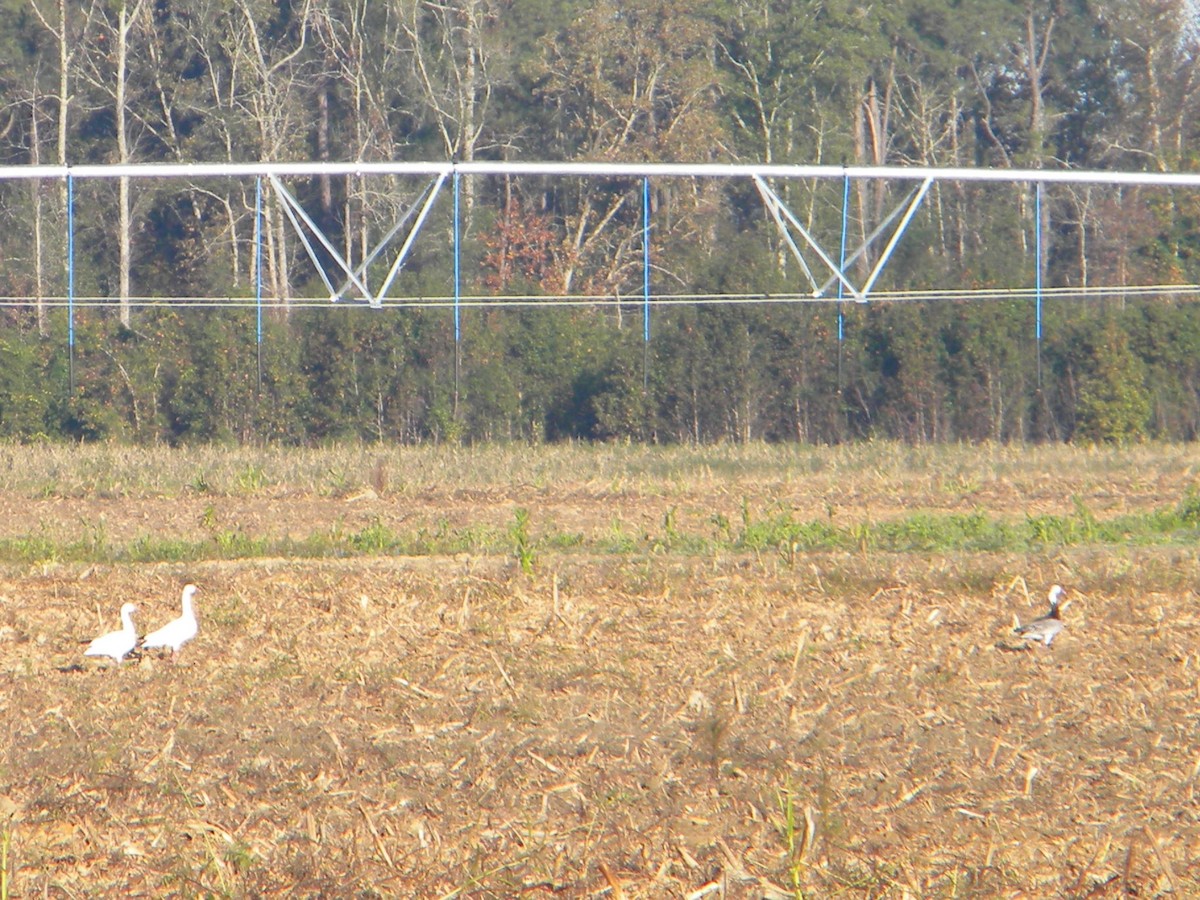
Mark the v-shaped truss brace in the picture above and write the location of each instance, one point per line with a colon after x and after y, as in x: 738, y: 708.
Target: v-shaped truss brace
x: 786, y: 222
x: 356, y: 277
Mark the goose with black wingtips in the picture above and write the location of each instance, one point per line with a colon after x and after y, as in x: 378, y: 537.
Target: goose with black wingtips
x: 1045, y: 629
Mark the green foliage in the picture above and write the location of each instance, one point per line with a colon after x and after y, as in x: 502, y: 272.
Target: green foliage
x: 236, y: 544
x: 376, y: 538
x: 211, y: 392
x: 25, y: 397
x: 938, y: 83
x: 1113, y: 405
x: 1188, y: 511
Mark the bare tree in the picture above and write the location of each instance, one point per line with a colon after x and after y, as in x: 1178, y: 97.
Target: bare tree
x: 371, y: 87
x: 1161, y: 42
x: 271, y: 85
x: 35, y: 189
x: 633, y: 81
x: 66, y: 43
x: 125, y: 24
x: 112, y: 79
x: 223, y: 127
x: 450, y: 59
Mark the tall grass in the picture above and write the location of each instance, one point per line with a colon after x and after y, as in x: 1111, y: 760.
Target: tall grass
x: 71, y: 470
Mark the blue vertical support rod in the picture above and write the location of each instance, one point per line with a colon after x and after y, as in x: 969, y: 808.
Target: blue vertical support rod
x: 646, y: 260
x: 71, y: 281
x: 457, y: 261
x: 841, y: 330
x: 646, y: 285
x: 1037, y: 228
x: 457, y: 288
x: 258, y: 277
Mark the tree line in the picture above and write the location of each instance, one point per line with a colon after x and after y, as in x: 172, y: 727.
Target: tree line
x: 1066, y: 84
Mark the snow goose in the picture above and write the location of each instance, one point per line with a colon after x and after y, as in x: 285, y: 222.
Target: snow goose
x: 1045, y: 628
x: 116, y: 644
x: 178, y: 631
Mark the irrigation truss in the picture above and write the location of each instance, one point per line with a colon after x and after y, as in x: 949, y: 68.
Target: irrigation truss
x: 830, y: 269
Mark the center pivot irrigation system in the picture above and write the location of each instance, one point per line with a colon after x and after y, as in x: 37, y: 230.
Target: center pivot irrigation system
x: 347, y: 282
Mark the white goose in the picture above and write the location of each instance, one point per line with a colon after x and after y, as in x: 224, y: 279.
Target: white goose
x: 116, y: 644
x: 178, y: 631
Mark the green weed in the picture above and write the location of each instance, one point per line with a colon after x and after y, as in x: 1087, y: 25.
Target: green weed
x: 251, y: 479
x: 797, y: 833
x: 560, y: 540
x: 618, y: 540
x: 239, y: 545
x: 208, y: 519
x: 240, y: 857
x: 672, y: 532
x: 5, y: 844
x: 523, y: 548
x: 375, y: 538
x: 154, y: 549
x: 231, y: 614
x: 778, y: 532
x: 340, y: 483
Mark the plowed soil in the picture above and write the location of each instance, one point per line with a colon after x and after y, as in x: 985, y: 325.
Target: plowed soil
x: 643, y: 723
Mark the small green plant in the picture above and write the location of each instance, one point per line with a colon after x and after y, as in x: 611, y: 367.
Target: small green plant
x: 96, y: 541
x: 1048, y: 529
x: 239, y: 856
x: 5, y: 843
x: 723, y: 528
x: 797, y: 834
x: 1088, y: 525
x: 618, y: 540
x: 1188, y: 511
x: 340, y: 483
x: 232, y: 613
x: 672, y: 532
x: 522, y: 542
x: 238, y: 545
x: 31, y: 548
x: 208, y: 519
x: 564, y: 540
x: 252, y: 478
x: 146, y: 548
x: 375, y: 538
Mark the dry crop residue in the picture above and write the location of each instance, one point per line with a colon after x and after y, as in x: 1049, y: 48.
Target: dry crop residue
x: 644, y: 723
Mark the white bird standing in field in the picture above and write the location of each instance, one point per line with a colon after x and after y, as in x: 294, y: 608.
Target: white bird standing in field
x: 1045, y: 628
x: 178, y: 631
x: 116, y: 644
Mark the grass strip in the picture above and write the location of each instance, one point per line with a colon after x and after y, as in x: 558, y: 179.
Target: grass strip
x: 921, y: 532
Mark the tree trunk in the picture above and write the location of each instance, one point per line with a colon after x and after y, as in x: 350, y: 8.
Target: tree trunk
x: 124, y: 155
x: 35, y: 186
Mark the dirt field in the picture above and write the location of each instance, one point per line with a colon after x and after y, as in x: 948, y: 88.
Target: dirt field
x: 653, y: 722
